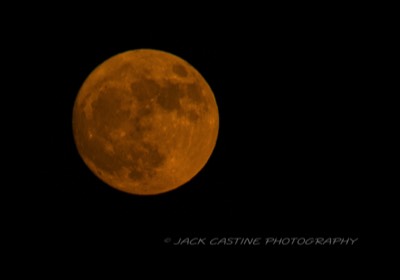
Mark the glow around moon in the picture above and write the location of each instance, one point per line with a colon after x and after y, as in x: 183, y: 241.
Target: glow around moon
x: 145, y: 122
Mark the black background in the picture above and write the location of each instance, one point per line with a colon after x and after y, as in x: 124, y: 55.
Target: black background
x: 290, y: 159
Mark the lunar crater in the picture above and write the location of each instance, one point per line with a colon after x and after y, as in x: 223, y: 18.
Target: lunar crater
x: 180, y: 70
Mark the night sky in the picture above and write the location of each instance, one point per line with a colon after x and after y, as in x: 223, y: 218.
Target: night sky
x: 290, y: 157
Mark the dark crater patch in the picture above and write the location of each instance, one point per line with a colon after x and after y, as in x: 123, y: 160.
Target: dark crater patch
x: 95, y: 151
x: 193, y: 116
x: 124, y: 69
x: 145, y: 111
x: 194, y: 93
x: 168, y: 97
x: 179, y: 70
x: 145, y: 158
x: 153, y: 157
x: 145, y: 89
x: 107, y: 110
x: 136, y: 174
x: 138, y: 128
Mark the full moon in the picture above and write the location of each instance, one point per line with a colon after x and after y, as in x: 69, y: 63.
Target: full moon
x: 145, y: 122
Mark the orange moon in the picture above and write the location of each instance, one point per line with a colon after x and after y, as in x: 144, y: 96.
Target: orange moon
x: 145, y: 122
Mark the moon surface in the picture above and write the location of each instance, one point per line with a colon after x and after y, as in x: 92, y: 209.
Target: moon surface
x: 145, y: 122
